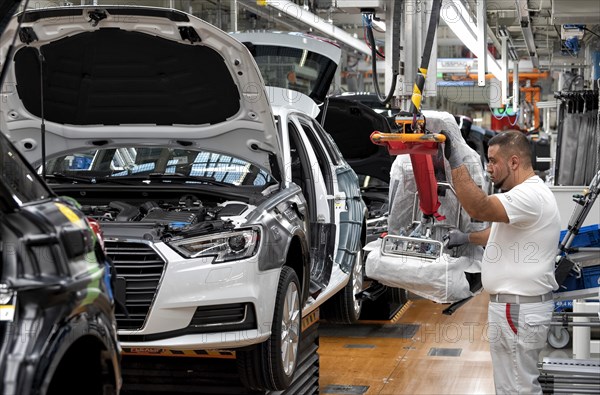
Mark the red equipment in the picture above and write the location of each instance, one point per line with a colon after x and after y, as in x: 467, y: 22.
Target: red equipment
x: 420, y: 147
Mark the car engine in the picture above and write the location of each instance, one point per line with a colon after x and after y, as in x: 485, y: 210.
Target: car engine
x: 188, y: 211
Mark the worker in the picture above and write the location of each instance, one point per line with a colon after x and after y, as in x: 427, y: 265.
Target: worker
x: 518, y: 263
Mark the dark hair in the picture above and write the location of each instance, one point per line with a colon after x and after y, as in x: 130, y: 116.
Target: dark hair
x: 513, y: 143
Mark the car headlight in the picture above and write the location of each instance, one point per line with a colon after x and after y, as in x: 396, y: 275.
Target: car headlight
x: 224, y: 247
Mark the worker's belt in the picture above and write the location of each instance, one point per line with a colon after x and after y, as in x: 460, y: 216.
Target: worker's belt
x: 517, y: 299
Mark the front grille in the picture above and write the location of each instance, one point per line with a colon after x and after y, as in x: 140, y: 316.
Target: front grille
x: 139, y: 269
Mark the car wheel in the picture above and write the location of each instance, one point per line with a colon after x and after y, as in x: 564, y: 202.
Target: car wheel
x: 271, y: 365
x: 344, y: 307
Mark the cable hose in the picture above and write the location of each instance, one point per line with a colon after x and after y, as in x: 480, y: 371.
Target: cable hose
x: 382, y: 99
x: 398, y: 5
x: 434, y: 19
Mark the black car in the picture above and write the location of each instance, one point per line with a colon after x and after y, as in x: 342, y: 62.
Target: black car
x: 350, y: 123
x: 57, y: 320
x: 56, y: 305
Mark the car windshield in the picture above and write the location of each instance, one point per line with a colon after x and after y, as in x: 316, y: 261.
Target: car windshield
x: 159, y: 164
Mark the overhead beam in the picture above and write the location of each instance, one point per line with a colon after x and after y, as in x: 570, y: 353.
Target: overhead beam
x: 252, y: 6
x: 516, y: 87
x: 456, y: 17
x: 481, y: 42
x: 525, y: 20
x: 504, y: 79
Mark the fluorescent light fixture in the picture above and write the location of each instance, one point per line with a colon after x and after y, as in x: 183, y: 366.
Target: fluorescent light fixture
x: 303, y: 58
x: 530, y: 44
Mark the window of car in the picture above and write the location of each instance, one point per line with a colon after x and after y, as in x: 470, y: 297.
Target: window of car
x: 301, y: 169
x: 320, y: 152
x: 292, y: 68
x: 18, y: 178
x: 135, y: 161
x: 329, y: 144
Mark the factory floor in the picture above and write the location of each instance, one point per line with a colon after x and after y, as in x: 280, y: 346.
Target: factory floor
x: 429, y: 353
x: 419, y: 351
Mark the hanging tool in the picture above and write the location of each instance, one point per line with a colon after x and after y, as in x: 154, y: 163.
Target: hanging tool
x: 418, y: 143
x: 417, y: 94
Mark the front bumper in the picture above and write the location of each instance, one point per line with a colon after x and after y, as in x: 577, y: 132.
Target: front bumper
x: 199, y: 305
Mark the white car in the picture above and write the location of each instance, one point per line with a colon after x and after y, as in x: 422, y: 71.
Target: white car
x: 228, y: 217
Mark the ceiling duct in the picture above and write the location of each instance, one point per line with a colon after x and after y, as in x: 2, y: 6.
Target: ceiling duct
x: 576, y: 11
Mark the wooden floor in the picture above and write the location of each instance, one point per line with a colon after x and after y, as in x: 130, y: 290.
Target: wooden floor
x: 387, y: 365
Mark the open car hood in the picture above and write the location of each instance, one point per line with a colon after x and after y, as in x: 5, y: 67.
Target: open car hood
x: 118, y: 76
x: 295, y: 61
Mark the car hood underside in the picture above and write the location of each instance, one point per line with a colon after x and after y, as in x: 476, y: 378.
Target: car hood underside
x: 97, y: 76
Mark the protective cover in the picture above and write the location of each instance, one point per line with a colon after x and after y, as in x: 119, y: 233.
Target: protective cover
x: 442, y: 280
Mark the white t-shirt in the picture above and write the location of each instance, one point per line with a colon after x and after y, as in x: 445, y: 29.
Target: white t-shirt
x: 519, y: 256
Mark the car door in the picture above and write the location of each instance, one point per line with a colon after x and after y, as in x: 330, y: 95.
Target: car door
x: 304, y: 170
x: 349, y: 206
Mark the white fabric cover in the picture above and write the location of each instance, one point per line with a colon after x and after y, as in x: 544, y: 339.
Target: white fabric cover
x: 442, y: 280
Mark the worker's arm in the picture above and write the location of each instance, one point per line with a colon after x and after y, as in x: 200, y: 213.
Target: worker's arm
x: 456, y: 238
x: 480, y: 237
x: 476, y: 202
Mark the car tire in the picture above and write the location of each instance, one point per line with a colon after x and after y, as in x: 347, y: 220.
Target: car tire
x: 397, y: 295
x: 344, y: 307
x: 271, y: 365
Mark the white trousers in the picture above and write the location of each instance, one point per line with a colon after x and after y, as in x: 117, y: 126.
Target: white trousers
x: 517, y: 333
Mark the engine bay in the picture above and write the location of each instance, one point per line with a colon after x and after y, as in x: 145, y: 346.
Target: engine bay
x: 165, y: 212
x: 188, y: 210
